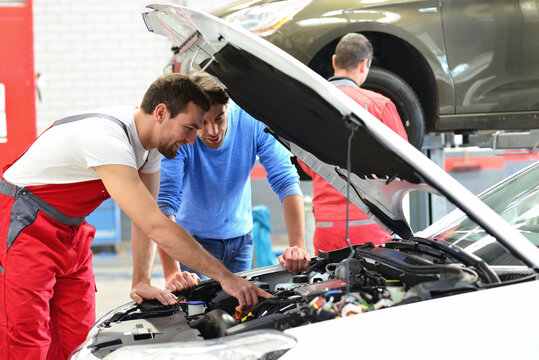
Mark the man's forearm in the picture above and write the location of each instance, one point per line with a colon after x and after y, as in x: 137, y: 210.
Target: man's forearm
x: 294, y: 215
x: 170, y: 266
x: 143, y: 250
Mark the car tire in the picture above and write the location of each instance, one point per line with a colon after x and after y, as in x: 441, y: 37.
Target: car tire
x: 405, y: 100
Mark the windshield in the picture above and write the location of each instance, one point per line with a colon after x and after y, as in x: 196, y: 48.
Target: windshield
x: 516, y: 200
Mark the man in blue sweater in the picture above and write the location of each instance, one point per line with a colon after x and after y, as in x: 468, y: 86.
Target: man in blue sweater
x: 206, y: 187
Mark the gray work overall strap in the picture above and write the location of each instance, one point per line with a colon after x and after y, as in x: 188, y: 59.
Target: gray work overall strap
x: 103, y: 116
x: 93, y: 115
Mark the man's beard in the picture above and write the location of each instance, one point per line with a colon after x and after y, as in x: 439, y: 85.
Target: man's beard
x: 168, y: 151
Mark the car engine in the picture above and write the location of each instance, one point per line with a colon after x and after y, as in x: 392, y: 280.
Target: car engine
x: 340, y: 283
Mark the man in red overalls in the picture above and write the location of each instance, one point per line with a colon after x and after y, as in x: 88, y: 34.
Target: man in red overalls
x: 351, y: 62
x: 47, y: 285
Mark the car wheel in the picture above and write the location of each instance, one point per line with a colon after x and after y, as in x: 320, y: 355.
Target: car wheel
x: 405, y: 100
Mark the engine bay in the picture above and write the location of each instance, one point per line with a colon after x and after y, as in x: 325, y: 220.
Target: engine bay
x: 340, y: 283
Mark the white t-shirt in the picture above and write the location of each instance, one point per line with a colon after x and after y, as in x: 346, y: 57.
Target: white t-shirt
x: 68, y: 152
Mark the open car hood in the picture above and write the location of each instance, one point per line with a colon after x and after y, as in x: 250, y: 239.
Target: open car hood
x: 315, y: 121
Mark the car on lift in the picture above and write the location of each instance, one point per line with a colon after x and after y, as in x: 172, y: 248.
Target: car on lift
x: 464, y: 287
x: 449, y: 66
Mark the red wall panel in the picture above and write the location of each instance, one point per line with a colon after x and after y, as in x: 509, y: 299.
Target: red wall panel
x: 17, y: 75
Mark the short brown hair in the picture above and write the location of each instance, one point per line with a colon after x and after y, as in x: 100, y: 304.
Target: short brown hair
x: 352, y: 49
x: 175, y: 91
x: 215, y: 91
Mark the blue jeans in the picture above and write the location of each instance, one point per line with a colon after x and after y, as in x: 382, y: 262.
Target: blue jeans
x: 235, y: 253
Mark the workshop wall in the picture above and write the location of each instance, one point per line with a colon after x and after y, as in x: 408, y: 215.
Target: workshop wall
x: 94, y: 53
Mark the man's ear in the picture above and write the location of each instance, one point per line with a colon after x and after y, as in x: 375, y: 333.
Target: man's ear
x: 160, y: 112
x: 364, y: 66
x: 333, y: 61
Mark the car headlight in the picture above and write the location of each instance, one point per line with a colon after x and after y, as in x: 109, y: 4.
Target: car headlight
x: 266, y: 19
x: 267, y: 344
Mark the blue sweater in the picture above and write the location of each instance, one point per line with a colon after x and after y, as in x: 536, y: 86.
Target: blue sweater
x: 209, y: 190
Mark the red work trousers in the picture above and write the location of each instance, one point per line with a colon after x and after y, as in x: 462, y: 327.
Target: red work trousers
x: 47, y: 285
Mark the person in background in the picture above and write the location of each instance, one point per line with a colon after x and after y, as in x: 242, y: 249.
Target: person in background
x: 206, y: 188
x: 351, y: 63
x: 47, y: 285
